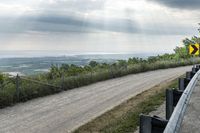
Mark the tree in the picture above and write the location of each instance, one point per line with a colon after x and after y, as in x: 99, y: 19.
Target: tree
x: 152, y: 59
x: 74, y: 70
x: 181, y: 52
x: 122, y: 64
x: 133, y: 60
x: 1, y: 78
x: 87, y: 68
x: 64, y: 67
x: 93, y: 63
x: 199, y: 27
x: 54, y: 72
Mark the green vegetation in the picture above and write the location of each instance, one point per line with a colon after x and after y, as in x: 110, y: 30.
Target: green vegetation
x: 67, y: 77
x: 1, y: 79
x: 125, y: 117
x: 7, y: 91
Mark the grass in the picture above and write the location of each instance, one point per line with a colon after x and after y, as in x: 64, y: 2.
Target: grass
x: 30, y: 90
x: 125, y: 117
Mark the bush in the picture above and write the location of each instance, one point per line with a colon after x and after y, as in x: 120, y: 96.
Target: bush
x: 30, y: 90
x: 1, y: 78
x: 7, y: 95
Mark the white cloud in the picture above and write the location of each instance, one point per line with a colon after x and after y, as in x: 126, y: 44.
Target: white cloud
x: 96, y: 22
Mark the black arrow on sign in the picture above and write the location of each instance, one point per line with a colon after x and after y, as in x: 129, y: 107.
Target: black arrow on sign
x: 195, y: 49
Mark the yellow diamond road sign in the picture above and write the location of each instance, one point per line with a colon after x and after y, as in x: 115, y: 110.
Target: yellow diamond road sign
x: 194, y: 49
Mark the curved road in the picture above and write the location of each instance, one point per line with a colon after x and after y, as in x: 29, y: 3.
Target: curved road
x: 63, y: 112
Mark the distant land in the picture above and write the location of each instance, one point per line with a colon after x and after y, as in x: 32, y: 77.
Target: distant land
x: 34, y: 62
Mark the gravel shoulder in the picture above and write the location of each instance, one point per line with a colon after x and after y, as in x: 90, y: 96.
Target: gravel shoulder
x: 66, y: 111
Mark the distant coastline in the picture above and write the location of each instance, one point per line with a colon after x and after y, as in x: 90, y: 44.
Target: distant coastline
x: 39, y: 54
x: 34, y: 62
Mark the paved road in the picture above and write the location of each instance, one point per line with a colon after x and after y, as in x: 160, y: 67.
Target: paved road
x: 62, y: 113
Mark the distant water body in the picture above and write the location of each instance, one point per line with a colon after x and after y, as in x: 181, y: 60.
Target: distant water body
x: 31, y: 54
x: 33, y: 62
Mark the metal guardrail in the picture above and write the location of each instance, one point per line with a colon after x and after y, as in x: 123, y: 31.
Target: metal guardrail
x: 176, y: 119
x: 176, y: 103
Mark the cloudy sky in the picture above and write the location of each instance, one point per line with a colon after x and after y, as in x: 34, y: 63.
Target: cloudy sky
x: 102, y: 26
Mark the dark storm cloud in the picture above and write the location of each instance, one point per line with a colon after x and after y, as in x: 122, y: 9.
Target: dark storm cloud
x: 60, y: 23
x: 83, y: 24
x: 72, y: 16
x: 74, y: 24
x: 180, y: 4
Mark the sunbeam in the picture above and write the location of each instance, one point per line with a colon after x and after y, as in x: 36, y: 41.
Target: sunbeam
x: 91, y: 25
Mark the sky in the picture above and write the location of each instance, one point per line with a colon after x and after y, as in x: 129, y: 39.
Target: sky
x: 97, y: 26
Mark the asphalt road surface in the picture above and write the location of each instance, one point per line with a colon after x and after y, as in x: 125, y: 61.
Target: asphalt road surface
x: 63, y: 112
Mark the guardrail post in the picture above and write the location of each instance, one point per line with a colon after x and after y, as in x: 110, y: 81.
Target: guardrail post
x: 169, y: 103
x: 183, y: 82
x: 189, y: 75
x: 197, y: 66
x: 145, y: 124
x: 194, y: 69
x: 17, y: 87
x: 153, y: 124
x: 62, y: 81
x: 158, y: 124
x: 177, y: 116
x: 172, y: 98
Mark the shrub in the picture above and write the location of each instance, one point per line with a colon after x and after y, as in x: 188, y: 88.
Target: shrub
x: 1, y: 78
x: 30, y: 90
